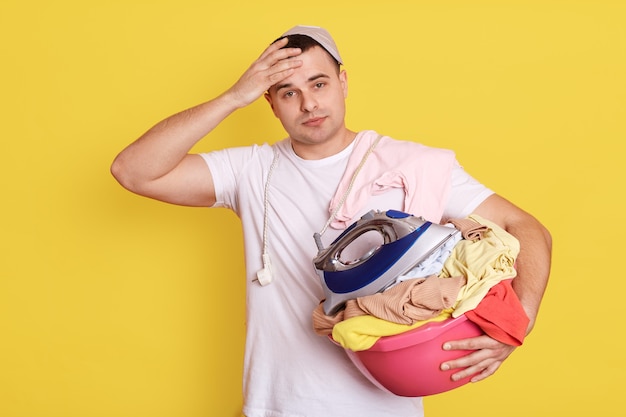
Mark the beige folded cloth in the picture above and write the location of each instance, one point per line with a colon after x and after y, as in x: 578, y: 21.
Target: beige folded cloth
x: 405, y: 303
x: 470, y: 229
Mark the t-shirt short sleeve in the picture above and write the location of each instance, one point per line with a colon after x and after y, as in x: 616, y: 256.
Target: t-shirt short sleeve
x: 227, y: 166
x: 465, y: 195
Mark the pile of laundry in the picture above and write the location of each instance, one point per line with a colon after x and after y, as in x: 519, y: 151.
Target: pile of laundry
x: 470, y: 274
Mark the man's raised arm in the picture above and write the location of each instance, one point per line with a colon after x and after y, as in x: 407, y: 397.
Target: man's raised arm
x: 158, y: 164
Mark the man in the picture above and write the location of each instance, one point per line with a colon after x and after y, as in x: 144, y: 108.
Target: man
x: 283, y: 194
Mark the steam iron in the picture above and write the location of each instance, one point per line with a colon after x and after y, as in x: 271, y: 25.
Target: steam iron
x: 407, y: 241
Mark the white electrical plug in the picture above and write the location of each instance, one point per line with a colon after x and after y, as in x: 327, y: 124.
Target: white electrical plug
x: 265, y: 275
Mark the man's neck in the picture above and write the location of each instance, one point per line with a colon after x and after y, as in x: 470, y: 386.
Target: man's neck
x: 326, y: 149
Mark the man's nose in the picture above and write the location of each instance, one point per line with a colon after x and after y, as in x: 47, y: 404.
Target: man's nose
x: 309, y: 103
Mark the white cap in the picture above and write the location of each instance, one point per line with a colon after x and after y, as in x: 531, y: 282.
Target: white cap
x: 320, y: 35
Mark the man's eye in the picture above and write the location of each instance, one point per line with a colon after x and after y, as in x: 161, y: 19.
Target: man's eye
x: 320, y: 85
x: 290, y: 94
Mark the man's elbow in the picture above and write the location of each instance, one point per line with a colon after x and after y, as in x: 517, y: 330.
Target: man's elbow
x: 528, y: 222
x: 547, y: 236
x: 122, y: 174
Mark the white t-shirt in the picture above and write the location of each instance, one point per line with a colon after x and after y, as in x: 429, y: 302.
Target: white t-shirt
x: 289, y: 371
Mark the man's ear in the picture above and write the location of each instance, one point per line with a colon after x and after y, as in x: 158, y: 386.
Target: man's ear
x: 268, y: 97
x: 343, y: 78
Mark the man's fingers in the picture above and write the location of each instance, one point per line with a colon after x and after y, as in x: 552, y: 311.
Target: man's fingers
x: 484, y: 360
x: 478, y: 365
x: 466, y: 361
x: 487, y: 372
x: 282, y: 70
x: 473, y: 343
x: 273, y: 66
x: 276, y: 65
x: 277, y: 52
x: 274, y: 47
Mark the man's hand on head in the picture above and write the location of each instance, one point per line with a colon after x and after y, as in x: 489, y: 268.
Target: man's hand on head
x: 274, y: 65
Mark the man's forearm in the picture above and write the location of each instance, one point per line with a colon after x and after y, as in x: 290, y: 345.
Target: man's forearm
x: 162, y: 148
x: 533, y: 265
x: 533, y: 261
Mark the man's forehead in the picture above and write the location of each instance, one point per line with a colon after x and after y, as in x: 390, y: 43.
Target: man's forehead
x: 317, y: 64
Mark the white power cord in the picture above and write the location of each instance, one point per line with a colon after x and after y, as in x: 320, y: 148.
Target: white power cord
x: 265, y: 275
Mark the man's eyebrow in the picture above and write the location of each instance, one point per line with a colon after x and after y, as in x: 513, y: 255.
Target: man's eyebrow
x: 312, y: 78
x: 317, y: 77
x: 285, y: 85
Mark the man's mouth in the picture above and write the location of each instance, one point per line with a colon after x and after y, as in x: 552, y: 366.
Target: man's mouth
x: 315, y: 121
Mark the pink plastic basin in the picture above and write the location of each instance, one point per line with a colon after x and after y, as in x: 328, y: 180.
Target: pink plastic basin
x: 408, y: 364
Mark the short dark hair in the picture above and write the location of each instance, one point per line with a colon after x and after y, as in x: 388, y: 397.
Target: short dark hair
x: 305, y: 43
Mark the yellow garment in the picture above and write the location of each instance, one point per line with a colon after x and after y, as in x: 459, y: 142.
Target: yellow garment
x: 483, y: 262
x: 361, y: 332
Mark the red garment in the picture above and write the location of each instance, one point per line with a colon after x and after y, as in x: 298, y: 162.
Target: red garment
x: 500, y: 315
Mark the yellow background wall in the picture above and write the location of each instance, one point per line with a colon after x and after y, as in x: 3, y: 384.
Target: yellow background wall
x: 114, y: 305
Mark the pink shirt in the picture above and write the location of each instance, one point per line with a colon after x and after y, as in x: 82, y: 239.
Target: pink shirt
x: 421, y: 171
